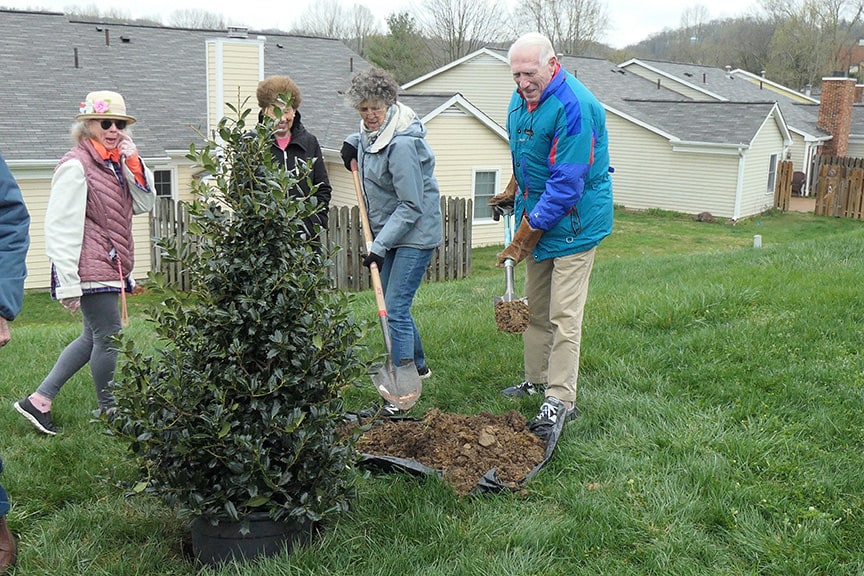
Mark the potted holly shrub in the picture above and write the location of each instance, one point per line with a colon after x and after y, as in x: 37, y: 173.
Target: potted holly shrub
x: 233, y: 412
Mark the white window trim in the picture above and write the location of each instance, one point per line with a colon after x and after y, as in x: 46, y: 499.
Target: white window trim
x: 497, y: 186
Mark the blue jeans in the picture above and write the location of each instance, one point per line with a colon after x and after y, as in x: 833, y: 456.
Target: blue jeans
x: 401, y: 274
x: 4, y: 498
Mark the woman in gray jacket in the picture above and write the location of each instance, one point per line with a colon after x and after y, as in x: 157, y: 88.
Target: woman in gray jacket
x: 396, y: 167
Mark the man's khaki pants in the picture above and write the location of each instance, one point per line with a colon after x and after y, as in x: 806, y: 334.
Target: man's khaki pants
x: 556, y: 290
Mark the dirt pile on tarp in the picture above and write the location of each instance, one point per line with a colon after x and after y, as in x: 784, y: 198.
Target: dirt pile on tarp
x: 489, y: 452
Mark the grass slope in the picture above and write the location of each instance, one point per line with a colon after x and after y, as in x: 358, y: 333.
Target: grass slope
x: 721, y: 426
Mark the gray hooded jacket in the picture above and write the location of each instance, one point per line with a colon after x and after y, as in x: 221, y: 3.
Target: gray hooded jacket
x: 402, y: 196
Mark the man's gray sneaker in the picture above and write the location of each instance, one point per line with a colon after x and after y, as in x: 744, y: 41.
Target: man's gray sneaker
x: 550, y: 419
x: 521, y: 390
x: 41, y: 420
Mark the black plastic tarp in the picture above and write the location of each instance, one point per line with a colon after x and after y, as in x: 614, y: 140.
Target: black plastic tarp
x: 489, y: 483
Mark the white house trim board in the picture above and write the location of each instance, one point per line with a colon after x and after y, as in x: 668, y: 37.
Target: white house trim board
x: 707, y: 147
x: 638, y: 122
x: 215, y: 100
x: 777, y: 114
x: 457, y: 100
x: 739, y: 187
x: 777, y: 87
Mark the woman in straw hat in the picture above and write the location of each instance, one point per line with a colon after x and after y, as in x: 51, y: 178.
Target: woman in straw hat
x: 97, y: 187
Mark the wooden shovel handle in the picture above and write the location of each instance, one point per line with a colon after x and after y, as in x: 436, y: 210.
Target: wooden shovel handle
x: 367, y: 237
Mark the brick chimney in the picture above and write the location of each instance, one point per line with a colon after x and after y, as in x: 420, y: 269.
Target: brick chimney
x: 835, y: 113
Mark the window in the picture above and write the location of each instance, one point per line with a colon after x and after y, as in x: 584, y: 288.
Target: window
x: 485, y: 182
x: 162, y: 182
x: 772, y: 173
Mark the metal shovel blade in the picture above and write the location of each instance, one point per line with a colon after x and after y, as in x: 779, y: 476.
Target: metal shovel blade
x: 511, y: 312
x: 399, y: 385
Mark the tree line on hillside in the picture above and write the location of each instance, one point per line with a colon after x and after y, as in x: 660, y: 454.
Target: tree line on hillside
x: 793, y: 42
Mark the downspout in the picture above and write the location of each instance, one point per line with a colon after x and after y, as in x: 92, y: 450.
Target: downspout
x: 739, y: 185
x: 808, y: 159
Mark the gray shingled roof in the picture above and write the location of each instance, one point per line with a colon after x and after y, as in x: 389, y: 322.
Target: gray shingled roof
x: 798, y: 116
x: 707, y: 122
x: 161, y: 73
x: 667, y: 110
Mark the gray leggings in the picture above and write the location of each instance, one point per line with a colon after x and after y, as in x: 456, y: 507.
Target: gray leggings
x: 101, y: 321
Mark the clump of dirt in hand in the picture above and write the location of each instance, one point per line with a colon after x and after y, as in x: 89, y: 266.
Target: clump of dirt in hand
x: 511, y: 317
x: 463, y: 447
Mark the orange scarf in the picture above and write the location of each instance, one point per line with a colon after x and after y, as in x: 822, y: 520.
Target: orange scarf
x: 104, y: 153
x: 133, y: 163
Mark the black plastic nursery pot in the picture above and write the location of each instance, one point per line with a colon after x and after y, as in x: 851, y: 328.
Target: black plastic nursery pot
x: 254, y: 537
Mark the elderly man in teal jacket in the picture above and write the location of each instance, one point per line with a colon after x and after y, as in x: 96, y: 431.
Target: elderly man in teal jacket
x: 14, y: 242
x: 559, y: 147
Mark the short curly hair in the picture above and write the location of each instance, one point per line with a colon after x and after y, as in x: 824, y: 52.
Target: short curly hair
x: 374, y: 85
x: 270, y: 88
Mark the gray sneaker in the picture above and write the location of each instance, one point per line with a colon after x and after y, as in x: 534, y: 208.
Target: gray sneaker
x: 521, y: 390
x: 41, y: 420
x: 551, y: 418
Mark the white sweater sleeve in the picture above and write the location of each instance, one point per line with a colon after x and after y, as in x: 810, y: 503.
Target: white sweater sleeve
x: 64, y: 225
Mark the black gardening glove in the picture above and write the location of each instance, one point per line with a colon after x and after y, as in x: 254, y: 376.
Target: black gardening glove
x: 348, y: 153
x: 502, y: 204
x: 499, y: 210
x: 372, y: 257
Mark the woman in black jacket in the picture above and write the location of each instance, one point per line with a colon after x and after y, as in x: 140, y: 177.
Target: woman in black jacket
x: 293, y: 145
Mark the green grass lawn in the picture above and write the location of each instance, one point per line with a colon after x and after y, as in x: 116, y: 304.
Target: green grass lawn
x: 721, y: 427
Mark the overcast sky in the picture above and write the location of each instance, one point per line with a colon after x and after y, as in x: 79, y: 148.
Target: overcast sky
x: 629, y: 20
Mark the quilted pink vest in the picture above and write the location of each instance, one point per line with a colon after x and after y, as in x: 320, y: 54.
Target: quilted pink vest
x: 108, y: 222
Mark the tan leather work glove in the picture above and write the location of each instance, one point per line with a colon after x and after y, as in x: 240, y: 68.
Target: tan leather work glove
x: 523, y: 243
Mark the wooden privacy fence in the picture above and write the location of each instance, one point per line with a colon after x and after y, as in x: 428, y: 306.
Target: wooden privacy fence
x: 783, y: 185
x: 839, y: 187
x: 451, y: 260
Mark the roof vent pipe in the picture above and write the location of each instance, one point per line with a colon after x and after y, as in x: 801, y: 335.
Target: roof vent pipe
x: 107, y: 39
x: 728, y: 71
x: 704, y: 77
x: 351, y: 64
x: 658, y: 83
x: 75, y: 56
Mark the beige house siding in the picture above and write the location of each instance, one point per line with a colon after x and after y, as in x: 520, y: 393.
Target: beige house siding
x: 755, y: 196
x: 462, y: 145
x: 484, y: 80
x: 234, y: 68
x: 643, y: 161
x: 342, y: 183
x: 855, y: 149
x: 798, y: 152
x: 184, y: 173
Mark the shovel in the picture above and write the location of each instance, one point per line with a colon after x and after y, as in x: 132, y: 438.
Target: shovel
x: 399, y: 385
x: 511, y: 312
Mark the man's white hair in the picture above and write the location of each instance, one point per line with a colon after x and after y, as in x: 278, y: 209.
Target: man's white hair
x: 533, y: 40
